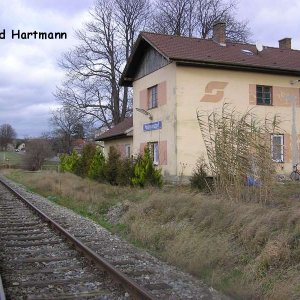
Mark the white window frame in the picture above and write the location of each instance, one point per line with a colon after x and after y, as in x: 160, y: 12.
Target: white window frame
x: 127, y: 150
x: 154, y: 149
x: 152, y: 97
x: 281, y: 147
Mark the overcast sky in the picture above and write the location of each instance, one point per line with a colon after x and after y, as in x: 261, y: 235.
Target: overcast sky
x: 29, y: 70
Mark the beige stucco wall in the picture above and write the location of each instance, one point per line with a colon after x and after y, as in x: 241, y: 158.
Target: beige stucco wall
x: 189, y: 89
x: 165, y: 112
x: 119, y: 144
x: 214, y: 87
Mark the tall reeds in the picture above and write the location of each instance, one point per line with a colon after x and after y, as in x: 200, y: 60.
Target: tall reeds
x: 238, y: 146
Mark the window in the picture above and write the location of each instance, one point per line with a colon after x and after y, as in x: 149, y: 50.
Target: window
x: 152, y: 93
x: 277, y: 147
x: 127, y: 151
x: 263, y: 95
x: 154, y: 152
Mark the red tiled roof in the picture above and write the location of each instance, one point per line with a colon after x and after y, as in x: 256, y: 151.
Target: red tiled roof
x: 117, y: 131
x: 195, y: 49
x: 207, y: 52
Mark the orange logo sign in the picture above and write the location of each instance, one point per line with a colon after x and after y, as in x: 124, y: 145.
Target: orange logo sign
x: 214, y: 91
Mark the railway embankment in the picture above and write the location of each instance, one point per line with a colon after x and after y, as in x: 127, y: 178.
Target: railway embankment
x: 244, y: 249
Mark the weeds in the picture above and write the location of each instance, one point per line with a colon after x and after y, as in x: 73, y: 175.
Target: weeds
x: 200, y: 179
x: 238, y: 148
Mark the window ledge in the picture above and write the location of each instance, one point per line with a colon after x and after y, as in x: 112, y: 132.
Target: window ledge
x: 152, y: 107
x: 264, y: 104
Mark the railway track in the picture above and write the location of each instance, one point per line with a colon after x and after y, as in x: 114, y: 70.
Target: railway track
x: 41, y: 260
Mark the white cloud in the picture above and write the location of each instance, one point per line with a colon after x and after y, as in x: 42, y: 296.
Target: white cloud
x: 28, y: 68
x: 272, y: 20
x: 29, y: 71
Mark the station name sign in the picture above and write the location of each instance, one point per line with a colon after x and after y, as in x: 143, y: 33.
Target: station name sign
x: 152, y: 126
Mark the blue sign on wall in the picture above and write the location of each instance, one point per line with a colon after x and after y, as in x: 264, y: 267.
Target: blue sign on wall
x: 153, y: 126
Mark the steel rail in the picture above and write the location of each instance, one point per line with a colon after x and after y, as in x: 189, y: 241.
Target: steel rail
x: 135, y: 290
x: 2, y: 294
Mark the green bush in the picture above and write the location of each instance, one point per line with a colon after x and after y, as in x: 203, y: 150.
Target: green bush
x: 112, y: 166
x: 83, y: 166
x: 125, y: 171
x: 96, y: 170
x: 68, y: 163
x: 145, y: 172
x: 116, y: 171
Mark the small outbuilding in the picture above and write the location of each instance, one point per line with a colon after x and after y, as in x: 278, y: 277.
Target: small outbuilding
x: 120, y: 136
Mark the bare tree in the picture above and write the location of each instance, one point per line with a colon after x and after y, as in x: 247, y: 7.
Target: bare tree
x: 197, y: 17
x: 68, y: 124
x: 132, y: 16
x: 37, y: 151
x: 94, y: 67
x: 174, y: 17
x: 7, y: 135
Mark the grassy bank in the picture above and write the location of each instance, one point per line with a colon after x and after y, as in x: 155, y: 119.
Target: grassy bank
x: 248, y: 250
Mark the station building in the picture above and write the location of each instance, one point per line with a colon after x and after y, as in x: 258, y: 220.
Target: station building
x: 173, y: 77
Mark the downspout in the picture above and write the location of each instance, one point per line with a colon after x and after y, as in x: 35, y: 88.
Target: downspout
x: 175, y: 123
x: 295, y: 154
x: 294, y: 137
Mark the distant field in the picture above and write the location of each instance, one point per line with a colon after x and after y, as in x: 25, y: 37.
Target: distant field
x: 12, y: 158
x: 15, y: 158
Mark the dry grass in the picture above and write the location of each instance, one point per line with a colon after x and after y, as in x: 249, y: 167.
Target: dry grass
x: 85, y: 196
x: 248, y: 250
x: 238, y: 145
x: 244, y: 249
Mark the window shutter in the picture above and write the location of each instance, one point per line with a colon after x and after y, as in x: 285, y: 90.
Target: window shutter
x: 144, y: 99
x: 252, y: 94
x: 163, y: 153
x: 162, y: 93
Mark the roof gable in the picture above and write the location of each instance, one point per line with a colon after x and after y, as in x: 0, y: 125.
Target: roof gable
x: 206, y: 52
x: 150, y: 61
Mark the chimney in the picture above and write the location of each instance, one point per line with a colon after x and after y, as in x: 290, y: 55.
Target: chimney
x: 285, y: 43
x: 219, y: 35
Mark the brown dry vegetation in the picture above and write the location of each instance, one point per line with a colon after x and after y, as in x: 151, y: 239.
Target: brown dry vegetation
x: 247, y: 250
x: 238, y: 145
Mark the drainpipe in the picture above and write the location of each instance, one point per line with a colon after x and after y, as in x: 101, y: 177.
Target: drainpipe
x: 294, y: 136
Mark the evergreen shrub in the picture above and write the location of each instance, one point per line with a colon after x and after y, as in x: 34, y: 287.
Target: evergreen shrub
x: 145, y: 172
x: 68, y: 163
x: 84, y: 163
x: 111, y: 168
x: 96, y: 170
